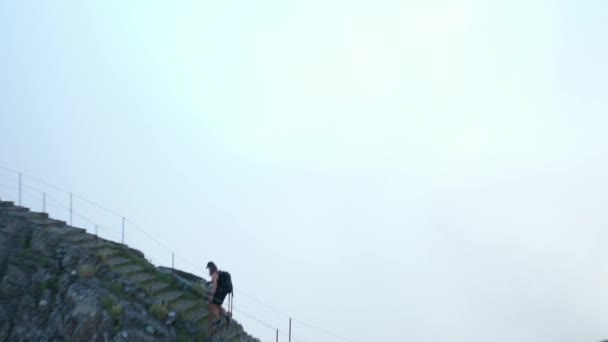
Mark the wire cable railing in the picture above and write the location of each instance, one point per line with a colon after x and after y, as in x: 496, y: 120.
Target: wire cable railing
x: 28, y: 191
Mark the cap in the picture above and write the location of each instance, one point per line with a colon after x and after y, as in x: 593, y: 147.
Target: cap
x: 210, y: 264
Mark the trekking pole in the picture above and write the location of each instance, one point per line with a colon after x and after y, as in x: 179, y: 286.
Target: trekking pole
x: 231, y: 303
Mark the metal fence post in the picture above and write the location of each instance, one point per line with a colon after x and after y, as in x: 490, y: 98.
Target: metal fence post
x: 123, y: 230
x: 173, y: 260
x: 44, y: 202
x: 20, y: 185
x: 71, y: 210
x: 277, y: 335
x: 289, y: 329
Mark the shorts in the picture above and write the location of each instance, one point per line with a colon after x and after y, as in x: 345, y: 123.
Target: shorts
x: 218, y: 298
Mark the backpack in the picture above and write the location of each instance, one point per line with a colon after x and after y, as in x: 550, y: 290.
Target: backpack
x: 224, y: 282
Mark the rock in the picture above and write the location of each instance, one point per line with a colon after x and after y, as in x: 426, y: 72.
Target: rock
x: 130, y: 290
x: 73, y: 256
x: 171, y: 318
x: 150, y: 329
x: 40, y: 277
x: 13, y: 283
x: 44, y: 297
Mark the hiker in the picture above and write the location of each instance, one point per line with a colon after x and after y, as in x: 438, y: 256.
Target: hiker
x: 222, y: 286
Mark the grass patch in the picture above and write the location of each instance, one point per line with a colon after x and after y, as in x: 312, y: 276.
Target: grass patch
x: 87, y: 271
x: 135, y: 259
x: 116, y: 311
x: 165, y: 278
x: 143, y: 263
x: 44, y: 262
x: 50, y: 284
x: 115, y: 287
x: 26, y: 253
x: 159, y: 311
x: 183, y: 336
x: 107, y: 302
x: 27, y: 242
x: 190, y: 296
x: 200, y: 290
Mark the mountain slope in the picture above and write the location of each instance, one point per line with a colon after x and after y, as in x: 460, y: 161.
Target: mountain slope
x: 59, y: 283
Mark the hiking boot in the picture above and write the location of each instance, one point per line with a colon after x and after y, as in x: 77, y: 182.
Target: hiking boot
x: 217, y: 324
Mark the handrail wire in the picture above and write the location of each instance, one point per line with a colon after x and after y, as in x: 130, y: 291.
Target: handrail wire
x: 8, y: 186
x: 9, y: 177
x: 276, y: 311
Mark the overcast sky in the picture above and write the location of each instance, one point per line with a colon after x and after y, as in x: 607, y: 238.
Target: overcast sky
x: 385, y: 170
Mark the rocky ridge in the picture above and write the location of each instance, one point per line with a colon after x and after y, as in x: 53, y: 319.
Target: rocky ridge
x: 60, y: 283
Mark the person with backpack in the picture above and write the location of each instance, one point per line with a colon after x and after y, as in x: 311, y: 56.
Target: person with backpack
x: 221, y: 287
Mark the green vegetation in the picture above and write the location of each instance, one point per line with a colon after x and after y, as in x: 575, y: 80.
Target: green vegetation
x: 104, y: 258
x: 107, y: 303
x: 27, y: 242
x: 116, y: 311
x: 26, y: 253
x: 87, y: 271
x: 165, y: 278
x: 50, y: 284
x: 190, y: 296
x: 200, y: 290
x: 44, y: 262
x: 183, y: 336
x: 115, y: 287
x: 159, y: 311
x: 118, y: 328
x: 135, y: 259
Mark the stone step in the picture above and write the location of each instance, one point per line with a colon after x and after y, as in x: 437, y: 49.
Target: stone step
x: 169, y: 296
x: 128, y: 269
x: 117, y: 261
x: 196, y: 315
x: 106, y: 252
x: 64, y: 230
x: 95, y: 244
x: 234, y: 331
x: 71, y: 230
x: 183, y: 305
x: 31, y: 215
x: 202, y: 305
x: 47, y: 223
x: 229, y: 332
x: 141, y: 277
x: 203, y: 323
x: 15, y: 209
x: 224, y: 332
x: 154, y: 286
x: 75, y: 238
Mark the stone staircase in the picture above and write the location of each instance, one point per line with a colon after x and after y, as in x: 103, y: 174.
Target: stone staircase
x: 162, y: 286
